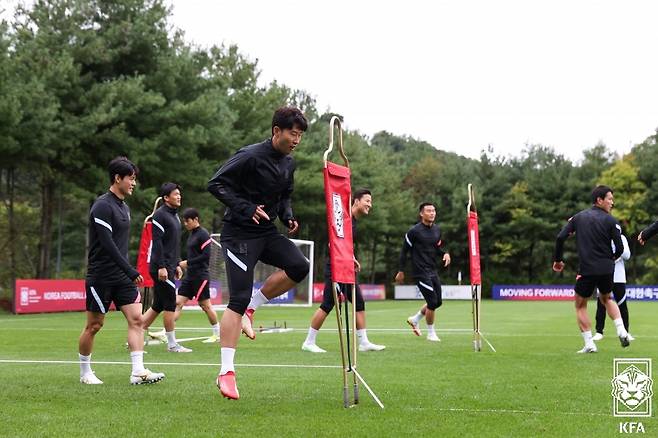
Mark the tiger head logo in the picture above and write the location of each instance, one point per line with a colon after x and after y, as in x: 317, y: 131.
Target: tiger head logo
x: 632, y: 387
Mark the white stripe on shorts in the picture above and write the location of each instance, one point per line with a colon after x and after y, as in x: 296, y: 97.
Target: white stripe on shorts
x: 236, y: 260
x: 98, y: 299
x: 426, y: 286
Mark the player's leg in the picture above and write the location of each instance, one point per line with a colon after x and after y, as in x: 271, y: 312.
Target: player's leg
x: 206, y: 306
x: 605, y: 288
x: 185, y: 293
x: 619, y: 292
x: 319, y: 317
x: 414, y: 320
x: 159, y: 288
x: 97, y: 304
x: 168, y: 301
x: 361, y: 333
x: 600, y: 320
x: 584, y: 289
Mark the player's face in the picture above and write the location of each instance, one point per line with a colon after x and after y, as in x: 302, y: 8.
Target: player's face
x: 286, y: 140
x: 428, y: 214
x: 190, y: 224
x: 364, y: 204
x: 606, y: 203
x: 174, y: 198
x: 126, y: 184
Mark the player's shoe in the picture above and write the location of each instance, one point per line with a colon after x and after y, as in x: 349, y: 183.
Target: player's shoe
x: 630, y: 337
x: 212, y: 339
x: 178, y: 348
x: 625, y: 341
x: 433, y: 337
x: 227, y: 385
x: 588, y: 349
x: 597, y: 337
x: 145, y: 377
x: 414, y: 325
x: 248, y: 324
x: 369, y: 346
x: 159, y: 335
x: 312, y: 348
x: 90, y: 379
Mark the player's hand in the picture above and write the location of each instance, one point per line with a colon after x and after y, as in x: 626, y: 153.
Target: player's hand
x: 640, y: 239
x: 179, y: 273
x: 162, y: 274
x: 357, y: 265
x: 399, y: 277
x: 183, y: 264
x: 293, y: 226
x: 139, y: 280
x: 558, y: 266
x: 446, y: 259
x: 259, y: 214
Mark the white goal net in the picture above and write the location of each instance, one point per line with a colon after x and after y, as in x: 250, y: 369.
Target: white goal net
x: 301, y: 295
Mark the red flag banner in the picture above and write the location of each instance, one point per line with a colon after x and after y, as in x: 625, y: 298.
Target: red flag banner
x: 339, y: 223
x: 474, y: 248
x: 144, y: 254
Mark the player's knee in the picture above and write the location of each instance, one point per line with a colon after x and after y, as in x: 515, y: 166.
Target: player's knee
x: 298, y: 270
x: 239, y: 303
x: 327, y: 307
x: 94, y: 327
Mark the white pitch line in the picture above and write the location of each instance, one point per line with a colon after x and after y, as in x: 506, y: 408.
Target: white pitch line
x: 519, y: 411
x: 198, y: 364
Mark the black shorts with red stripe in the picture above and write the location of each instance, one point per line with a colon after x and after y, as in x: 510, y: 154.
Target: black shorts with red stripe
x: 99, y: 297
x: 195, y: 288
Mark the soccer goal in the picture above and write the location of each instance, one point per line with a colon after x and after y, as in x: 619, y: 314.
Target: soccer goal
x: 299, y: 296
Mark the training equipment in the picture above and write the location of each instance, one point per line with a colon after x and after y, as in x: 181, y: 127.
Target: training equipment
x: 90, y: 379
x: 474, y: 259
x: 227, y: 385
x: 312, y: 348
x: 178, y: 348
x: 414, y: 326
x: 146, y: 377
x: 300, y: 296
x: 338, y: 199
x: 144, y: 258
x: 275, y: 328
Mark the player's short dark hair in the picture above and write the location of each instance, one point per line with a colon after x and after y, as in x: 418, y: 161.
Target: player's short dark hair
x: 167, y: 188
x: 190, y: 213
x: 360, y: 193
x: 600, y: 192
x: 287, y: 117
x: 425, y: 204
x: 123, y: 167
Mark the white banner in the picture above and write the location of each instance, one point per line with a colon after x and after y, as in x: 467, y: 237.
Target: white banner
x: 409, y: 292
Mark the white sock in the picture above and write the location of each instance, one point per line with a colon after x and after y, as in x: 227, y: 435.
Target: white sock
x: 587, y: 337
x: 363, y: 337
x: 227, y: 360
x: 430, y: 329
x: 85, y: 364
x: 171, y: 338
x: 310, y: 337
x: 619, y: 325
x: 215, y: 329
x: 137, y: 359
x: 417, y: 317
x: 257, y: 299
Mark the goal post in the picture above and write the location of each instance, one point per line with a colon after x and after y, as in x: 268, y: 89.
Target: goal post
x: 299, y: 296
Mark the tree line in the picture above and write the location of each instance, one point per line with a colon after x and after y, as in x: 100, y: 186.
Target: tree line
x: 84, y: 81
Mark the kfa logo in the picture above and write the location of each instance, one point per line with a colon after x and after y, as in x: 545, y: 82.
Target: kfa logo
x: 338, y: 214
x: 632, y: 388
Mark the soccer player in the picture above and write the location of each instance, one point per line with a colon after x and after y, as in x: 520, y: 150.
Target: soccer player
x: 195, y: 283
x: 110, y: 278
x: 255, y: 184
x: 165, y: 256
x: 619, y: 292
x: 594, y: 229
x: 423, y: 241
x: 647, y: 233
x: 361, y: 204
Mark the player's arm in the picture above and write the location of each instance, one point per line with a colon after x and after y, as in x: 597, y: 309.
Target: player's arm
x: 102, y: 217
x: 157, y: 248
x: 558, y: 259
x: 627, y: 250
x: 442, y: 254
x: 284, y: 209
x: 204, y: 251
x: 615, y: 231
x: 226, y: 184
x: 647, y: 233
x: 407, y: 244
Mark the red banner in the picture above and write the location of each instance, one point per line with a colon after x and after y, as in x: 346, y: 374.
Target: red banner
x: 144, y: 254
x: 36, y: 296
x: 339, y: 222
x: 474, y: 248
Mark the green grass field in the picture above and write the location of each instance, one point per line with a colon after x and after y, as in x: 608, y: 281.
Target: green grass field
x: 534, y: 385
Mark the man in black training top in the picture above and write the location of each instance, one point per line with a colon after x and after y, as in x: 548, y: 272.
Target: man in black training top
x: 595, y: 228
x: 255, y: 184
x: 423, y: 241
x: 165, y: 256
x: 195, y: 282
x: 110, y: 278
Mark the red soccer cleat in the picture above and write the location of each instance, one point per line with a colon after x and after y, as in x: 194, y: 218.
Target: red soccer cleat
x: 227, y: 386
x: 248, y: 324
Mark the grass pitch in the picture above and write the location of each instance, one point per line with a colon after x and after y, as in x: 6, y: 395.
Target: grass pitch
x: 534, y: 385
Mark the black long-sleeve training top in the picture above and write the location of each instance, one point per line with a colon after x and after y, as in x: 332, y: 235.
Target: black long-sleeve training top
x: 109, y: 232
x: 255, y: 175
x: 650, y: 231
x: 165, y: 252
x: 424, y: 243
x: 198, y: 254
x: 594, y: 229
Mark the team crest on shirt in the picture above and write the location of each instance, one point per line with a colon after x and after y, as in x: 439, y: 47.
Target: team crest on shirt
x: 338, y: 214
